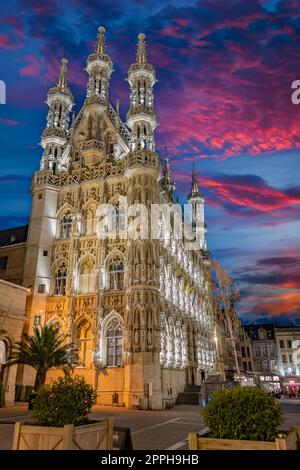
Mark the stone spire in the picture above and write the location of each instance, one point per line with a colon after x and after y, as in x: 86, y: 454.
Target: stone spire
x: 54, y: 137
x: 99, y: 68
x: 167, y: 182
x: 195, y: 192
x: 196, y: 199
x: 141, y: 117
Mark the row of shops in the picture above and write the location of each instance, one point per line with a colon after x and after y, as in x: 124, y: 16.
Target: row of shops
x: 272, y: 383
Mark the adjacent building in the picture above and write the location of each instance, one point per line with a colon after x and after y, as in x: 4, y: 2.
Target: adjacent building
x: 247, y: 364
x: 264, y: 355
x: 288, y: 350
x: 12, y: 253
x: 12, y: 318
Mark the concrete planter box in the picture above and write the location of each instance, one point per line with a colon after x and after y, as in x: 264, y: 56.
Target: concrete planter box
x: 291, y: 441
x: 94, y: 436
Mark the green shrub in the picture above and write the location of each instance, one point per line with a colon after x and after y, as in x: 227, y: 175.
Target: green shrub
x: 245, y: 413
x: 66, y: 400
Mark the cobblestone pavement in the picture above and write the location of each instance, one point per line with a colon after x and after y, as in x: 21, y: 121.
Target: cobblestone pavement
x: 157, y: 430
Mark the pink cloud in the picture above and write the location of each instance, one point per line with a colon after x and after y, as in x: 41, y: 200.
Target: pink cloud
x: 8, y: 122
x: 33, y: 68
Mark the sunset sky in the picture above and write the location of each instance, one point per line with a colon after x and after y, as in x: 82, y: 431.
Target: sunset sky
x: 225, y: 70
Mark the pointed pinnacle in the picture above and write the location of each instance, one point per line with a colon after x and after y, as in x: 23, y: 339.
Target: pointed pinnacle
x: 195, y: 187
x: 141, y: 55
x: 100, y: 46
x: 62, y: 78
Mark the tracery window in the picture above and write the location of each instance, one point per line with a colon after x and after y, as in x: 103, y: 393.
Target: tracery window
x: 3, y: 358
x: 83, y: 342
x: 116, y: 274
x: 114, y: 343
x: 61, y: 280
x: 66, y: 226
x: 3, y: 353
x: 87, y: 276
x: 119, y: 218
x: 91, y: 222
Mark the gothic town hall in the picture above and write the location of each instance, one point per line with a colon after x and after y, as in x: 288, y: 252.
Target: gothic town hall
x: 137, y: 309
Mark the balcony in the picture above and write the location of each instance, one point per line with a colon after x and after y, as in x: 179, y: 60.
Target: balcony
x: 92, y: 152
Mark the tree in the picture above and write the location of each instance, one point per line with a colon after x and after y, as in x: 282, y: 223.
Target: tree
x: 225, y: 294
x: 43, y: 350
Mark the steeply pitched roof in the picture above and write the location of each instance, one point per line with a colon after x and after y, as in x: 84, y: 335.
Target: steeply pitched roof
x: 12, y: 236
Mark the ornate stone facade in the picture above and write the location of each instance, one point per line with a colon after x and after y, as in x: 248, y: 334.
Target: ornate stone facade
x: 136, y: 308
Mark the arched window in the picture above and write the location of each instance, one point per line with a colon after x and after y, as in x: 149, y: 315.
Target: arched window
x: 3, y: 358
x: 118, y: 218
x: 83, y: 343
x: 61, y: 280
x: 3, y: 353
x: 116, y: 274
x: 91, y: 221
x: 114, y: 343
x: 87, y: 276
x: 66, y: 226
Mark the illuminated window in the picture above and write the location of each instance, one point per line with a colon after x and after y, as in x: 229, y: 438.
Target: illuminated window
x: 91, y: 221
x: 114, y: 343
x: 284, y: 359
x: 266, y: 365
x: 66, y: 226
x: 87, y: 277
x: 261, y: 333
x: 116, y: 274
x: 61, y: 281
x: 3, y: 353
x: 83, y: 343
x: 264, y: 350
x: 119, y: 218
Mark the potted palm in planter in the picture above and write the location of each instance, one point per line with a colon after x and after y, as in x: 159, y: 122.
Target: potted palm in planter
x: 60, y: 412
x: 46, y: 348
x: 243, y: 418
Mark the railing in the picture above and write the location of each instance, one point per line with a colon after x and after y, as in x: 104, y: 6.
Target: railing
x: 80, y: 174
x: 142, y: 157
x: 122, y: 128
x: 92, y: 144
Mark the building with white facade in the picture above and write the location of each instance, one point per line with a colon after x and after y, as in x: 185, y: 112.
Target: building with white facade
x: 137, y: 308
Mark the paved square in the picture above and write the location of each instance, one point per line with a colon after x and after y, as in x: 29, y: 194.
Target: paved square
x: 150, y: 430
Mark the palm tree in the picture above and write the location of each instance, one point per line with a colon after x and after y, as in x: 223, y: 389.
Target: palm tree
x: 43, y: 350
